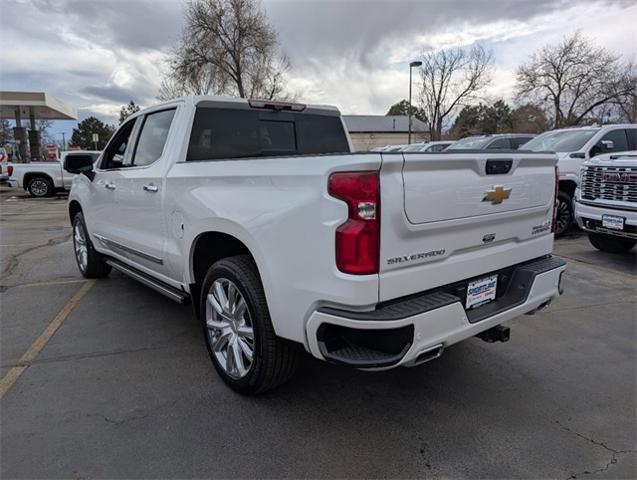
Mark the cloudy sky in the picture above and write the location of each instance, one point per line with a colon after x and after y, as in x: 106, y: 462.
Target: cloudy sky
x: 98, y: 55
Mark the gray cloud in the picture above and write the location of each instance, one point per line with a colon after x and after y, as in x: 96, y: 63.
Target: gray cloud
x: 111, y: 93
x: 96, y: 53
x: 135, y: 25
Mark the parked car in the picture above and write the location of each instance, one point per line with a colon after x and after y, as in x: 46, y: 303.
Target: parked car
x: 573, y: 146
x: 606, y: 201
x: 258, y: 214
x: 498, y: 141
x: 437, y: 146
x: 44, y: 179
x: 413, y: 147
x: 427, y: 146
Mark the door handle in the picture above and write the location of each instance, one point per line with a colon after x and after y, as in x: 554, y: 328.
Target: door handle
x: 110, y: 186
x: 151, y: 188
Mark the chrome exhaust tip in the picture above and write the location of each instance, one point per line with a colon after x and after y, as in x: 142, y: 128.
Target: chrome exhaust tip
x: 429, y: 354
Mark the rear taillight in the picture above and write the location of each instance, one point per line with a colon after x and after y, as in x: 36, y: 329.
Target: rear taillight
x: 10, y: 169
x: 358, y: 239
x: 557, y: 188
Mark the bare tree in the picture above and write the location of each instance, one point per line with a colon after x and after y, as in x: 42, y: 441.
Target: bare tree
x: 575, y: 78
x: 227, y: 47
x: 625, y: 101
x: 450, y: 80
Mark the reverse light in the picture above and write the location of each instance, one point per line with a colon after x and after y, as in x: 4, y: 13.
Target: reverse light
x: 358, y: 239
x: 557, y: 189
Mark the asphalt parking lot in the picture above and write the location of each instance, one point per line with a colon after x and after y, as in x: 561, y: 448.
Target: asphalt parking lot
x: 125, y: 388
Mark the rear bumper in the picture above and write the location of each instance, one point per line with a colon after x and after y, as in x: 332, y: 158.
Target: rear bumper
x: 399, y: 333
x: 589, y: 218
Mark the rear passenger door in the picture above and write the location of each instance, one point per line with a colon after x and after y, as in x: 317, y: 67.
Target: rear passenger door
x: 141, y: 228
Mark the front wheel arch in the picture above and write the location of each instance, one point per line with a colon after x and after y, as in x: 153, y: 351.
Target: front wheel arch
x: 74, y: 209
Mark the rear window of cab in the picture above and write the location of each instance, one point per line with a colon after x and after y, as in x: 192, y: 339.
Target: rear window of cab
x: 224, y: 134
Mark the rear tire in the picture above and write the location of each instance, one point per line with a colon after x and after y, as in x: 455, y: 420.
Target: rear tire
x: 40, y: 187
x: 238, y: 330
x: 89, y: 261
x: 564, y: 217
x: 610, y: 244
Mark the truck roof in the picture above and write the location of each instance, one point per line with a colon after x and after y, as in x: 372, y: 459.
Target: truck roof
x: 218, y: 101
x: 595, y: 127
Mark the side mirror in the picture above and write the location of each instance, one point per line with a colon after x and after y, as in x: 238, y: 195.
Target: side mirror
x: 79, y: 163
x: 608, y: 144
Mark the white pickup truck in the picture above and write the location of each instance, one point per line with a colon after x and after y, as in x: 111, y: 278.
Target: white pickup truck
x: 284, y: 240
x: 44, y: 179
x: 606, y: 205
x: 573, y: 146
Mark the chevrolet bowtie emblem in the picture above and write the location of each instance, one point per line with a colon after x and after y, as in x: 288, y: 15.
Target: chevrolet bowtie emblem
x: 496, y: 194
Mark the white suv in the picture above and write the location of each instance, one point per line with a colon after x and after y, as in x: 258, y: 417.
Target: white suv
x: 573, y: 146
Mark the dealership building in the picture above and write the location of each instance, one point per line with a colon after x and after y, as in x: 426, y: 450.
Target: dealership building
x: 371, y: 131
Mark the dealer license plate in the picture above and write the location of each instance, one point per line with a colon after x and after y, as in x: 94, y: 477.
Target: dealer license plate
x: 481, y: 291
x: 613, y: 222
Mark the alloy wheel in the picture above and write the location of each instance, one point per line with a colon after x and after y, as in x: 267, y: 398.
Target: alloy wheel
x: 229, y: 328
x: 81, y: 246
x: 39, y: 188
x: 563, y: 217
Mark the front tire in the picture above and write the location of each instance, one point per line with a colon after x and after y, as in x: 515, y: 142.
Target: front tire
x: 610, y: 244
x: 89, y: 261
x: 40, y: 187
x: 238, y: 330
x: 564, y: 213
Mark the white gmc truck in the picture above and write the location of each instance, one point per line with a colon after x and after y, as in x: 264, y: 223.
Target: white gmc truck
x: 284, y: 240
x: 606, y: 205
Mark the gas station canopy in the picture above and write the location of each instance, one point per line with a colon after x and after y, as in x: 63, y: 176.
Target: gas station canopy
x: 40, y: 104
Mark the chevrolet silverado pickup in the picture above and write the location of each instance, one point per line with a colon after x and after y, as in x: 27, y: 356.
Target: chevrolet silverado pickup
x: 606, y: 205
x: 260, y: 215
x: 44, y: 179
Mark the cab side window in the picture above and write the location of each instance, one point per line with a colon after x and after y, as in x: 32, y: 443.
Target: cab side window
x: 517, y: 142
x: 613, y: 141
x: 152, y: 138
x: 115, y: 155
x: 499, y: 144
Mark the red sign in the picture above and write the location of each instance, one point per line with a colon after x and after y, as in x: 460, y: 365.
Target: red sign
x: 51, y: 152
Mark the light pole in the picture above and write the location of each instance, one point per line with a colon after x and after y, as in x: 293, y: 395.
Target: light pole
x: 411, y: 65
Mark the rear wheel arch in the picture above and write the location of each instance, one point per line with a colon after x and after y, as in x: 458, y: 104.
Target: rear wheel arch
x: 31, y: 175
x: 208, y: 248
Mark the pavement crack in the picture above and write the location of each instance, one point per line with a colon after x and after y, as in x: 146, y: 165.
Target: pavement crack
x: 119, y: 422
x: 83, y: 356
x: 14, y: 259
x: 614, y: 453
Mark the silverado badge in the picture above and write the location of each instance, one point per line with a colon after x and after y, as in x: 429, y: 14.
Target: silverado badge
x: 496, y: 194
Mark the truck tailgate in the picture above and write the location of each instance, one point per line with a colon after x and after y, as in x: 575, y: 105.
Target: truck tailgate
x: 439, y: 188
x: 445, y: 219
